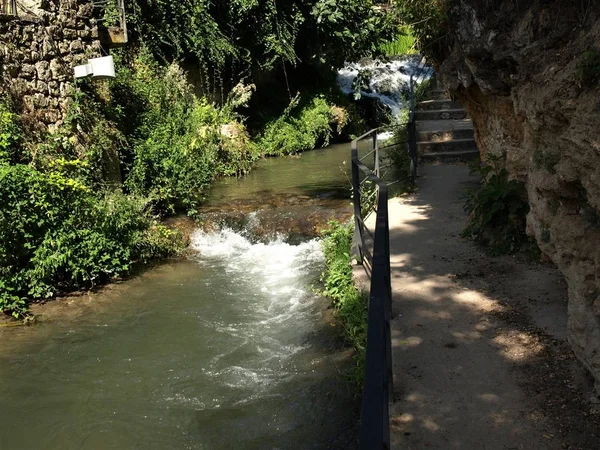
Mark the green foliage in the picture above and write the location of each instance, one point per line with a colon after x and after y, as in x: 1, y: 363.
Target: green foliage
x: 10, y: 135
x: 403, y: 44
x: 88, y: 142
x: 497, y: 210
x: 361, y: 82
x: 302, y: 127
x: 234, y: 39
x: 427, y: 20
x: 347, y: 30
x: 350, y: 304
x: 149, y: 129
x: 423, y: 89
x: 57, y: 235
x: 112, y: 15
x: 588, y: 70
x: 178, y: 145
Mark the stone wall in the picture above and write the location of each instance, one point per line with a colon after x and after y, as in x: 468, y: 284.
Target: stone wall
x: 39, y: 47
x: 516, y: 66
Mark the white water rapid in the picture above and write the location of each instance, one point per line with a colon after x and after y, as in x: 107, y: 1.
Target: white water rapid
x: 388, y: 81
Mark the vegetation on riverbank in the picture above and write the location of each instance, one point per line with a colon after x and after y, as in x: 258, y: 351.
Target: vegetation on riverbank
x: 350, y: 304
x: 203, y: 90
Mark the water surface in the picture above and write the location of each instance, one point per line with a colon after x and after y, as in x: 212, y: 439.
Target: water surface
x: 228, y: 349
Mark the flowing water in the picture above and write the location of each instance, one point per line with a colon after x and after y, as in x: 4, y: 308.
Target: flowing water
x: 385, y: 81
x: 228, y: 349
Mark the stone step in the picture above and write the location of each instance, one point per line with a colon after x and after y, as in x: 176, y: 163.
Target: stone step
x: 454, y: 145
x: 445, y: 135
x: 438, y: 94
x: 433, y: 105
x: 465, y: 155
x: 441, y: 114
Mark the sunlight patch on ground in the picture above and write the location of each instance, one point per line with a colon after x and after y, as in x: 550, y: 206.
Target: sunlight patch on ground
x: 517, y: 346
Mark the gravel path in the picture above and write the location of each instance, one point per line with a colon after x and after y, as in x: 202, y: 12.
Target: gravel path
x: 479, y: 343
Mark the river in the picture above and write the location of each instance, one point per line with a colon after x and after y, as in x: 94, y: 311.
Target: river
x: 230, y: 348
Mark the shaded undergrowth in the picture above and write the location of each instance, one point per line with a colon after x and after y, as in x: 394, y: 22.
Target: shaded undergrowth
x: 497, y: 210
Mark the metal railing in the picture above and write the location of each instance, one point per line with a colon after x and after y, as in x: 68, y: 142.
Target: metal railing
x: 377, y: 388
x: 373, y: 249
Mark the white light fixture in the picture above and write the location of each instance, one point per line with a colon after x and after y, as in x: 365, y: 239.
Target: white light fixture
x: 100, y: 68
x: 83, y: 71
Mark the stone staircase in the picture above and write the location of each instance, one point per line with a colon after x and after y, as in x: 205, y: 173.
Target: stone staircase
x: 444, y: 132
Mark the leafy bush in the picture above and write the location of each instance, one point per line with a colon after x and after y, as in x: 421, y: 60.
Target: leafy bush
x: 56, y: 235
x: 350, y: 304
x: 301, y: 127
x: 150, y: 130
x: 497, y: 210
x: 426, y: 18
x: 10, y: 134
x: 179, y: 147
x: 588, y: 70
x: 403, y: 44
x: 232, y: 38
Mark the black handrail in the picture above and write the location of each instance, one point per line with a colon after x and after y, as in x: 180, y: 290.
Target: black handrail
x: 378, y: 384
x: 377, y: 388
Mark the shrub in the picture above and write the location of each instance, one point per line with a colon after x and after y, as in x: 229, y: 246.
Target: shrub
x: 179, y: 146
x: 301, y: 127
x: 403, y: 44
x: 10, y: 135
x: 56, y: 235
x: 588, y: 70
x: 427, y: 20
x: 497, y: 210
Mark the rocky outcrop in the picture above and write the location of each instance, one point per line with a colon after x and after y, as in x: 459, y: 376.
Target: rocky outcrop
x: 523, y: 71
x: 39, y: 46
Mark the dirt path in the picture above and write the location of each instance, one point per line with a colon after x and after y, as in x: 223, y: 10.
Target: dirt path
x: 480, y: 357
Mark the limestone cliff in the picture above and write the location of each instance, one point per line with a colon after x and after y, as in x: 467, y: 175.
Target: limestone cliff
x: 519, y: 69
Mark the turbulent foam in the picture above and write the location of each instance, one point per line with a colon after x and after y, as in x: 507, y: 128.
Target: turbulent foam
x: 277, y: 276
x: 275, y: 261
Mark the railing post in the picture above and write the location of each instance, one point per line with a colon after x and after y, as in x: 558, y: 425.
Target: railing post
x: 376, y: 154
x: 412, y: 133
x: 357, y: 243
x: 412, y: 148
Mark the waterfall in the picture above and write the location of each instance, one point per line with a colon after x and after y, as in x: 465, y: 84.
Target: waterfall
x: 388, y: 82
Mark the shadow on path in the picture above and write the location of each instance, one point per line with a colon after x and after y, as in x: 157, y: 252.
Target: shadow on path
x: 480, y: 358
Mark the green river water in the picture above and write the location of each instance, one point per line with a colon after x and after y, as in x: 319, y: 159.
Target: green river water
x: 227, y: 349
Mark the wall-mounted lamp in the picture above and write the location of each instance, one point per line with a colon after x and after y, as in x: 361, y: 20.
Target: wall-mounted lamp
x: 99, y: 68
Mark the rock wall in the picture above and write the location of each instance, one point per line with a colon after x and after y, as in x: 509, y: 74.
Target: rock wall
x: 39, y: 46
x: 517, y: 67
